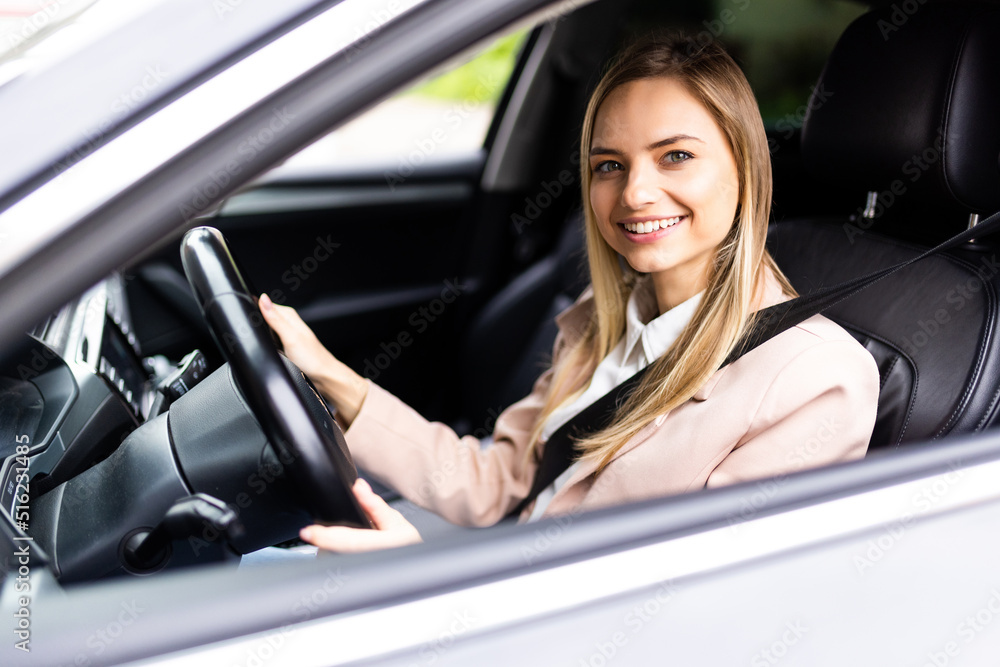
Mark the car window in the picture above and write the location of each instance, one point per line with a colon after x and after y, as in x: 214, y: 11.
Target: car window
x: 444, y: 116
x: 782, y: 48
x: 780, y: 45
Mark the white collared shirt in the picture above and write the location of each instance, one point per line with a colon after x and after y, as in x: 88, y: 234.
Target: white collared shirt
x: 647, y: 337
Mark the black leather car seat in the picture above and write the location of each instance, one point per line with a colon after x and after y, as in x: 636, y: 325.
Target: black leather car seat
x: 907, y: 111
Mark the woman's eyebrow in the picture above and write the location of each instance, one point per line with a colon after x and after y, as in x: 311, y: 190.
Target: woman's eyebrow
x: 672, y: 140
x: 601, y: 150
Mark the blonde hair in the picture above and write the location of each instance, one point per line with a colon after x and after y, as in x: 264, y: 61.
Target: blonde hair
x: 726, y: 311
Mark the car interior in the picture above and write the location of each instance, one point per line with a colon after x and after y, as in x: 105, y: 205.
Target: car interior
x: 883, y: 150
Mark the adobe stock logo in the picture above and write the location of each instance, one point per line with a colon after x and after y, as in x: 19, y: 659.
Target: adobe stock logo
x: 420, y: 320
x: 901, y: 13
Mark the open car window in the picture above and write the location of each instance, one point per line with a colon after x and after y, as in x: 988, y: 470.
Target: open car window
x: 444, y: 117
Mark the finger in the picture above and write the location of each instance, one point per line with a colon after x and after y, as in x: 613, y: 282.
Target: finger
x: 283, y: 320
x: 289, y: 314
x: 270, y: 311
x: 383, y: 516
x: 346, y: 540
x: 355, y: 540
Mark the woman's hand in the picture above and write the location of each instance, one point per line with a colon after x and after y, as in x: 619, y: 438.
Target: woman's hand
x: 391, y: 529
x: 334, y: 379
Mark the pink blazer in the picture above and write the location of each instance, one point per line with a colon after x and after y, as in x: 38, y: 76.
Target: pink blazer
x: 805, y: 398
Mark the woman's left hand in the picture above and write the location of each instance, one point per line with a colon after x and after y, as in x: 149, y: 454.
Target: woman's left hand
x: 391, y: 529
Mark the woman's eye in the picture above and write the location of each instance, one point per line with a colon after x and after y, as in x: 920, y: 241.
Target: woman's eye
x: 608, y: 166
x: 676, y: 157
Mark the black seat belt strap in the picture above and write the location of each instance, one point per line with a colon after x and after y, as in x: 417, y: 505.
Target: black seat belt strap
x: 780, y: 317
x: 559, y: 451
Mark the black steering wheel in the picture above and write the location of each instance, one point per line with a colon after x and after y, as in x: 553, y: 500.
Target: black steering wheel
x: 307, y: 438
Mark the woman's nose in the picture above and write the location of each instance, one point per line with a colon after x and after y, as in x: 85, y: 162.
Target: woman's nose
x: 641, y: 189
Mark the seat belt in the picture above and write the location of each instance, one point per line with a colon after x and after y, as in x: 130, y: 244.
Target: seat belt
x: 559, y: 451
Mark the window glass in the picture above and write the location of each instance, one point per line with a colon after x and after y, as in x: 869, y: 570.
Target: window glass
x: 782, y: 47
x: 447, y: 115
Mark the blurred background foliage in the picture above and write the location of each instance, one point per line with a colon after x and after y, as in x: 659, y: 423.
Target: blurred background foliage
x: 482, y: 79
x: 780, y: 45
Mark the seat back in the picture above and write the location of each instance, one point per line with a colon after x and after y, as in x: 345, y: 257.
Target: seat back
x: 509, y: 343
x: 906, y: 111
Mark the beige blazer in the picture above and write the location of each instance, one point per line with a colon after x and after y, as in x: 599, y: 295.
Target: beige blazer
x: 805, y: 398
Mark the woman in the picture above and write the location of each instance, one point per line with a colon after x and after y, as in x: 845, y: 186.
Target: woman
x: 676, y: 182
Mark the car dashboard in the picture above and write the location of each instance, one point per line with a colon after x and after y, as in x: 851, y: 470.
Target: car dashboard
x: 75, y: 389
x: 106, y: 463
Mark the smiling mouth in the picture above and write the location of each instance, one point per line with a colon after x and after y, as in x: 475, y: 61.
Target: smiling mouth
x: 652, y: 225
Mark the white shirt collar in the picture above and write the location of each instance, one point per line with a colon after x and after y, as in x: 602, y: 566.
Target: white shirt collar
x: 648, y: 336
x: 656, y: 333
x: 641, y: 345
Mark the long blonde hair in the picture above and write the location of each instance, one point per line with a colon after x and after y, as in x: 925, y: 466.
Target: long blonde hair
x: 726, y: 310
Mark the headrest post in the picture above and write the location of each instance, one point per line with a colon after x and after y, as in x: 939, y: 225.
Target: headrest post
x: 870, y: 203
x: 973, y: 221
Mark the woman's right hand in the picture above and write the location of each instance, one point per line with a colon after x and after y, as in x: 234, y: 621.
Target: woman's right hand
x: 391, y: 529
x: 334, y: 379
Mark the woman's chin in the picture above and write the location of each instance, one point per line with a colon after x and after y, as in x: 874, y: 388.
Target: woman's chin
x: 642, y: 264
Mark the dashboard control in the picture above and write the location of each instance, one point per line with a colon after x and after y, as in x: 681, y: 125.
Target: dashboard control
x: 192, y: 370
x: 121, y: 366
x: 144, y: 551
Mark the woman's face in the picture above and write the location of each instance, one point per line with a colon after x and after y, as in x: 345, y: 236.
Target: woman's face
x: 664, y: 185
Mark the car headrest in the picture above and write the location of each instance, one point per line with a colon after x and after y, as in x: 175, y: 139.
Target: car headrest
x: 909, y: 102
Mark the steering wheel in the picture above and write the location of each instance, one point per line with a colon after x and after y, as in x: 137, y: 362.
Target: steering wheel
x: 308, y: 440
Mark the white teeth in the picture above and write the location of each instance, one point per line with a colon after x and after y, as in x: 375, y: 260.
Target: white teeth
x: 652, y: 225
